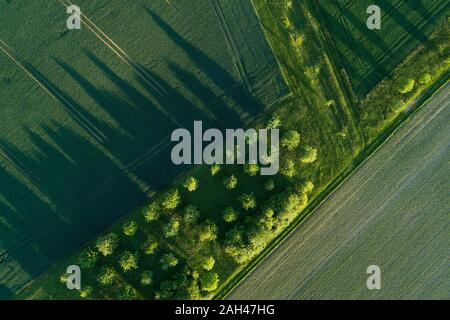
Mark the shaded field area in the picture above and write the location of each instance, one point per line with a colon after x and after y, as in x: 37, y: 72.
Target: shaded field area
x: 393, y: 212
x: 86, y: 115
x: 370, y: 56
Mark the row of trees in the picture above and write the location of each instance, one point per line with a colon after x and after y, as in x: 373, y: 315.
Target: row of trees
x: 391, y: 96
x: 248, y: 238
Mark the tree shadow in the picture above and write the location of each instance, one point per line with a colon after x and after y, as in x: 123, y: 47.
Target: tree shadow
x: 222, y: 111
x: 248, y: 106
x: 26, y: 251
x: 404, y: 22
x: 5, y: 293
x: 378, y: 71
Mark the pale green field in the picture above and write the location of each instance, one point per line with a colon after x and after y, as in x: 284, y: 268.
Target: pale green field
x: 393, y: 212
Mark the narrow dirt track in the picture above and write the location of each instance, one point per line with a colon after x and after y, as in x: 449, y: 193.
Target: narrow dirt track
x: 393, y: 212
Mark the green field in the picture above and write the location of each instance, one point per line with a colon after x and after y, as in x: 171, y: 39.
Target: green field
x: 393, y: 212
x: 331, y: 133
x: 369, y: 57
x: 86, y: 115
x: 185, y: 74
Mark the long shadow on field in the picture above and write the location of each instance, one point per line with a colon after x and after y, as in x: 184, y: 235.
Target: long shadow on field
x: 245, y: 103
x: 174, y: 106
x: 5, y: 293
x: 417, y: 6
x: 70, y: 192
x: 403, y: 22
x: 26, y: 241
x: 208, y: 99
x: 79, y: 115
x: 172, y: 96
x: 79, y: 203
x: 82, y: 198
x: 379, y: 71
x: 144, y: 125
x: 371, y: 35
x: 135, y: 120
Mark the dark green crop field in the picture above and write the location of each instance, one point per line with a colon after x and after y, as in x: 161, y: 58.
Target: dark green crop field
x: 86, y: 115
x: 369, y: 57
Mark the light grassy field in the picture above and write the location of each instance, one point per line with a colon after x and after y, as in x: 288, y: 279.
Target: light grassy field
x: 369, y: 57
x: 393, y: 212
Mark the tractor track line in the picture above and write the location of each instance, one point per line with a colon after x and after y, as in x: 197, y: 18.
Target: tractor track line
x: 140, y: 71
x: 103, y: 37
x: 53, y: 92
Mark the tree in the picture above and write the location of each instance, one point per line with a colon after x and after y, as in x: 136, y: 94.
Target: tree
x: 397, y: 107
x: 406, y: 85
x: 425, y: 78
x: 171, y: 228
x: 290, y: 140
x: 230, y: 182
x: 167, y: 290
x: 128, y: 261
x: 146, y: 278
x: 309, y: 186
x: 209, y: 281
x: 230, y: 214
x: 171, y: 199
x: 128, y: 293
x: 235, y: 236
x: 287, y: 205
x: 251, y: 169
x: 88, y: 258
x: 130, y: 228
x: 208, y: 263
x: 274, y: 122
x: 248, y: 201
x: 330, y: 103
x: 191, y: 214
x: 150, y: 246
x: 168, y: 260
x: 288, y: 168
x: 208, y: 231
x: 152, y: 212
x: 107, y: 276
x: 269, y: 185
x: 309, y: 155
x: 287, y: 22
x: 107, y: 244
x: 63, y: 278
x: 191, y: 184
x: 237, y: 245
x: 297, y: 40
x: 194, y: 290
x: 86, y: 292
x: 266, y: 219
x: 304, y: 187
x: 215, y: 169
